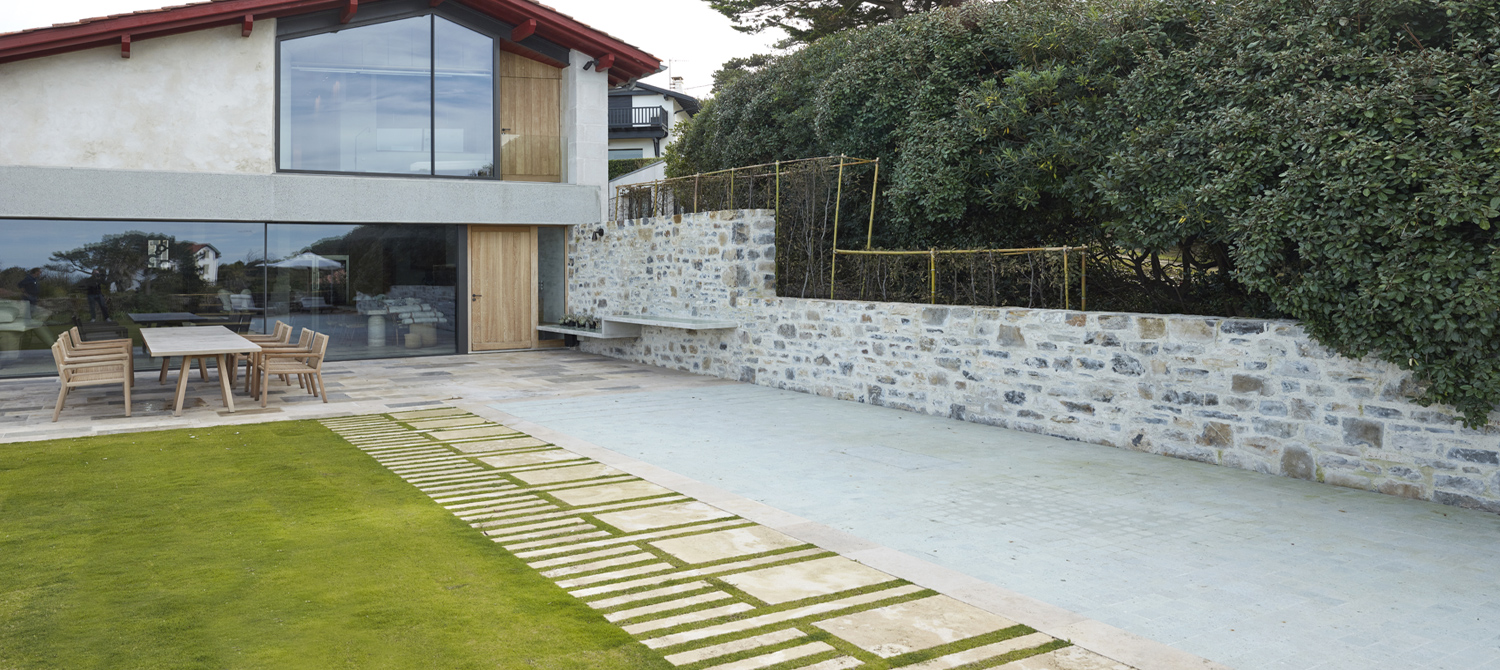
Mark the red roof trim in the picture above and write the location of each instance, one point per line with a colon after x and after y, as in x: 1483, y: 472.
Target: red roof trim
x: 630, y: 62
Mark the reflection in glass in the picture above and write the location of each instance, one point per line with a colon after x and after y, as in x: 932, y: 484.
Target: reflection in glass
x: 464, y: 90
x: 359, y: 100
x: 376, y: 290
x: 101, y: 273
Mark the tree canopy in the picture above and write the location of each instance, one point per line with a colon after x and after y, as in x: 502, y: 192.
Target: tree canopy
x: 807, y: 20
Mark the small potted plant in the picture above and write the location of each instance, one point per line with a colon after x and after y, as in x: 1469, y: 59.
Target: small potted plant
x: 579, y: 321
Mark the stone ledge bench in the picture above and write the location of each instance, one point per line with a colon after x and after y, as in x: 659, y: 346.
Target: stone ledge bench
x: 627, y: 327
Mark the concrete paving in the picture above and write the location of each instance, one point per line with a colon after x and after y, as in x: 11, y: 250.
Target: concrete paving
x: 1248, y: 570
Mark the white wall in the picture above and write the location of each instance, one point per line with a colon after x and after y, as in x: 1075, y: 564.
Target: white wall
x: 586, y: 123
x: 196, y: 102
x: 642, y: 143
x: 654, y: 172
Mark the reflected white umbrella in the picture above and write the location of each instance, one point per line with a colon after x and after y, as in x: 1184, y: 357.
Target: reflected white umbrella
x: 312, y: 261
x: 309, y: 260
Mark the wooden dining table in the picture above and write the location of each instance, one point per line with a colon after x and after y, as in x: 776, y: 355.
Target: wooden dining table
x: 197, y: 343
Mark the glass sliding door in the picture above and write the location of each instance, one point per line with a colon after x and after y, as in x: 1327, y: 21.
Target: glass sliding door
x: 377, y: 291
x: 127, y: 274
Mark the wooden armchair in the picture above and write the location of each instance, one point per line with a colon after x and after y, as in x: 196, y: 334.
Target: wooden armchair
x: 74, y: 341
x: 306, y: 364
x: 278, y: 336
x: 77, y: 369
x: 304, y: 341
x: 281, y: 333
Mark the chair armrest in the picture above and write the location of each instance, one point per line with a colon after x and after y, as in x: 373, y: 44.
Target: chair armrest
x: 113, y: 345
x: 95, y: 364
x: 286, y: 353
x: 85, y: 358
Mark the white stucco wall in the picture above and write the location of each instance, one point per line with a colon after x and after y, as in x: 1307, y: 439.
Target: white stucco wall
x: 197, y: 102
x: 586, y: 123
x: 642, y: 143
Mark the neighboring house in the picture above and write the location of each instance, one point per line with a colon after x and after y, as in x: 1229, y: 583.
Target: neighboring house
x: 207, y: 258
x: 439, y: 149
x: 642, y: 118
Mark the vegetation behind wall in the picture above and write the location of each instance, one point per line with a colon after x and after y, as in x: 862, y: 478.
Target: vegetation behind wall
x: 1336, y: 161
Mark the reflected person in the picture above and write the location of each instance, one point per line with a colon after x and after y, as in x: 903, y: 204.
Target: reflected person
x: 94, y: 286
x: 31, y: 289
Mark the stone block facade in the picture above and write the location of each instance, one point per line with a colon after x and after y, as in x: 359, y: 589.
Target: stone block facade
x: 1253, y: 394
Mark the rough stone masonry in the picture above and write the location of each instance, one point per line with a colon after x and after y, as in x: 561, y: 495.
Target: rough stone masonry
x: 1253, y: 394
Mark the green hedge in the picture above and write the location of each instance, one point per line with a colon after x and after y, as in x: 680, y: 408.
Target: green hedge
x: 1334, y: 160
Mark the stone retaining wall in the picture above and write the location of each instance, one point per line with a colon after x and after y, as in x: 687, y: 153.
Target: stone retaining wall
x: 1253, y: 394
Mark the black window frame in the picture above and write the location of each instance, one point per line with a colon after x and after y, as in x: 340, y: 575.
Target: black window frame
x: 318, y: 23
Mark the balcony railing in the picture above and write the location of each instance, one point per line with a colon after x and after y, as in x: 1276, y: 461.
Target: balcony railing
x: 638, y: 117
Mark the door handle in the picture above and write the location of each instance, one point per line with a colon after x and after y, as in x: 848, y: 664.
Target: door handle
x: 475, y: 296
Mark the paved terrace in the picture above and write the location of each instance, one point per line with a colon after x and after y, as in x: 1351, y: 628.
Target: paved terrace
x: 1078, y: 541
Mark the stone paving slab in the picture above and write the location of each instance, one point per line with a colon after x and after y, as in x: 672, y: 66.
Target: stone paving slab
x: 356, y: 388
x: 693, y: 580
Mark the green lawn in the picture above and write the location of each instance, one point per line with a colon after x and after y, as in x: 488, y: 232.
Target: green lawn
x: 269, y: 546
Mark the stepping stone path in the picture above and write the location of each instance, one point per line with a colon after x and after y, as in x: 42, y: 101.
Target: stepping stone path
x: 709, y: 590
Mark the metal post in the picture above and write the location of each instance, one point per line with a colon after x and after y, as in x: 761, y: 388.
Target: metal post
x: 874, y: 186
x: 731, y: 188
x: 838, y: 199
x: 1083, y: 277
x: 696, y: 179
x: 1066, y: 303
x: 932, y: 273
x: 776, y: 262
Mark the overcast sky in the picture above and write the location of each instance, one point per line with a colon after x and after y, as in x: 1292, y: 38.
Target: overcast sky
x: 686, y: 33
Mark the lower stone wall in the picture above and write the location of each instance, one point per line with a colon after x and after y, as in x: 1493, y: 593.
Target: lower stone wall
x: 1253, y: 394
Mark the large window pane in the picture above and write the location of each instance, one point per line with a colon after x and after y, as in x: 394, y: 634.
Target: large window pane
x: 464, y: 90
x: 359, y: 100
x: 107, y: 271
x: 377, y: 291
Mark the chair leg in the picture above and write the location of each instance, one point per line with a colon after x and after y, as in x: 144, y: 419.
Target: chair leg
x: 265, y: 386
x: 61, y: 396
x: 127, y: 396
x: 322, y: 390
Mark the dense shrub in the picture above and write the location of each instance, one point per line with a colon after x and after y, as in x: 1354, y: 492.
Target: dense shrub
x: 1332, y: 160
x: 1348, y: 156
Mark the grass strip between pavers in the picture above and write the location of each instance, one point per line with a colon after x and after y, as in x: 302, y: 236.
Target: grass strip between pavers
x: 265, y: 546
x: 690, y: 610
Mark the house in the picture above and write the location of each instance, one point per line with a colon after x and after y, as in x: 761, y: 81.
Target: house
x: 207, y: 259
x: 433, y: 152
x: 642, y: 118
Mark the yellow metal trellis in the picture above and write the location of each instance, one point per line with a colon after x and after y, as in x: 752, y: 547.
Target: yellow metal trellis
x: 657, y: 192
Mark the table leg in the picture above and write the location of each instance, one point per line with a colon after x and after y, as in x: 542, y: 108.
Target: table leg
x: 224, y: 383
x: 182, y: 376
x: 165, y: 361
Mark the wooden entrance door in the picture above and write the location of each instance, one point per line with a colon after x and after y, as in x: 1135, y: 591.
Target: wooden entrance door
x: 502, y: 287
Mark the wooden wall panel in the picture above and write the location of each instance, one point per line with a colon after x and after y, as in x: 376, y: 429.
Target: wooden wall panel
x: 530, y: 120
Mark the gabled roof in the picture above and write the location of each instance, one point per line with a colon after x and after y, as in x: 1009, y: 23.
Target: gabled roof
x: 690, y: 104
x: 625, y: 62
